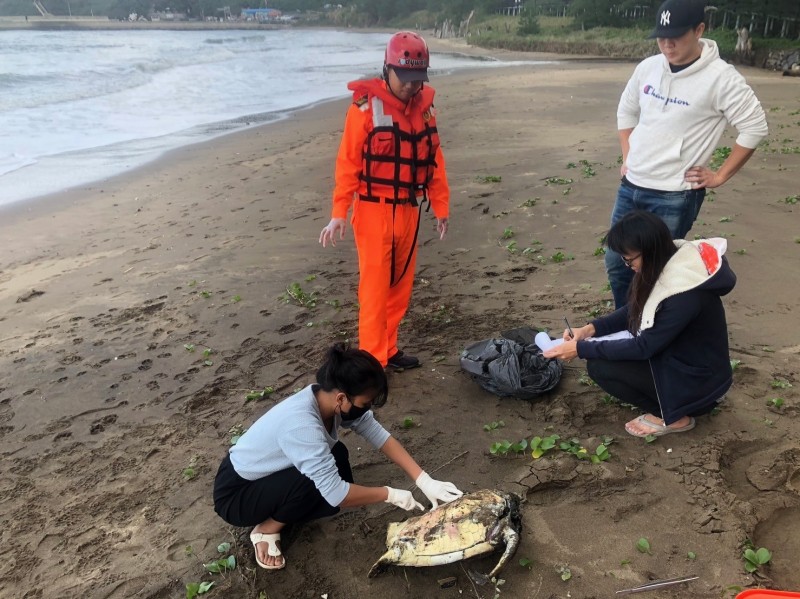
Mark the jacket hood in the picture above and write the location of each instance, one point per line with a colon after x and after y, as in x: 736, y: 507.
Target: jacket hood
x: 699, y: 264
x: 709, y: 52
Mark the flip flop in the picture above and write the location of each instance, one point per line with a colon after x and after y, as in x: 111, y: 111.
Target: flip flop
x: 272, y: 548
x: 659, y: 430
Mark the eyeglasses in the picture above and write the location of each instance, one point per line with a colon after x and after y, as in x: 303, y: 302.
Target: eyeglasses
x: 375, y: 402
x: 629, y: 261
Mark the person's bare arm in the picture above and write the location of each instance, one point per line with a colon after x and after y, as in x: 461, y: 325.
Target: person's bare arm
x: 359, y: 495
x: 625, y: 145
x: 701, y: 176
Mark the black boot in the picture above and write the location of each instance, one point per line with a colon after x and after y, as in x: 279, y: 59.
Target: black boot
x: 400, y: 362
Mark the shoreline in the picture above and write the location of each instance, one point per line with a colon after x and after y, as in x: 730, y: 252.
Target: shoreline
x: 264, y: 119
x: 51, y: 200
x: 251, y: 122
x: 86, y: 23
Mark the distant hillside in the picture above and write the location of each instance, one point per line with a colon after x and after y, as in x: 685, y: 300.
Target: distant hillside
x: 19, y: 8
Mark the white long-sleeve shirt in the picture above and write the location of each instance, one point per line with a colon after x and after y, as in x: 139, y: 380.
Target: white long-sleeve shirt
x: 678, y: 118
x: 292, y: 434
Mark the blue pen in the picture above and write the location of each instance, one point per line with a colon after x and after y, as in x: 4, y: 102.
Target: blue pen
x: 569, y: 328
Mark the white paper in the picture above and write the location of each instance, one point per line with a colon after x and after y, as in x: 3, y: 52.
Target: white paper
x: 544, y: 342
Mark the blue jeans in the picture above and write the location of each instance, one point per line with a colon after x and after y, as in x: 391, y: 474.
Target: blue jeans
x: 678, y: 210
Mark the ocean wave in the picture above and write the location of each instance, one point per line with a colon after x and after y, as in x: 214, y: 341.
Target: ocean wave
x: 12, y: 162
x: 235, y: 40
x: 78, y: 106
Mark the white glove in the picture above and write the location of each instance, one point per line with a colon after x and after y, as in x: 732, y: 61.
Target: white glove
x: 403, y: 499
x: 436, y: 490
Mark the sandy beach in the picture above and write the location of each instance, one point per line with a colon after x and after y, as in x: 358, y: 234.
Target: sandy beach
x: 137, y: 313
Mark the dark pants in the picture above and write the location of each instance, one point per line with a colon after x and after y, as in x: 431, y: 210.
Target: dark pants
x: 631, y: 382
x: 286, y: 496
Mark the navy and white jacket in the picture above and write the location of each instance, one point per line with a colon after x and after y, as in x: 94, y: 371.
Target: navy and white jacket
x: 683, y: 333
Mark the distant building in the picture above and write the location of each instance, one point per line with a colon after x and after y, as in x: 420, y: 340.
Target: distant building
x: 167, y: 16
x: 260, y: 14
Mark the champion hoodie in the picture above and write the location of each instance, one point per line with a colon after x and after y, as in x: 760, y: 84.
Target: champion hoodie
x: 679, y: 118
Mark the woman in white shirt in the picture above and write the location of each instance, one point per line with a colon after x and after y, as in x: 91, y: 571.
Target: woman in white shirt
x: 291, y: 467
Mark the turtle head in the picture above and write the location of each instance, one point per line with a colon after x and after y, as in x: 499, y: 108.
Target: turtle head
x: 510, y: 517
x: 507, y: 530
x: 514, y: 515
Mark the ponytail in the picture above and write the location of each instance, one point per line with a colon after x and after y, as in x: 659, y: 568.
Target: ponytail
x: 354, y: 372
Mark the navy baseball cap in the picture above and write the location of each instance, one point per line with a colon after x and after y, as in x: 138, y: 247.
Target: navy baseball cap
x: 676, y: 17
x: 410, y: 75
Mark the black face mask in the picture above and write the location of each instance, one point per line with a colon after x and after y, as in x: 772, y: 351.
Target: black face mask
x: 354, y: 412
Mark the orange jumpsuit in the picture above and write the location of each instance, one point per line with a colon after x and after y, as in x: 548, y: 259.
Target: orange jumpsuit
x: 389, y: 159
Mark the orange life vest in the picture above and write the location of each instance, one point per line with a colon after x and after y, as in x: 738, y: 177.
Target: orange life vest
x: 398, y: 159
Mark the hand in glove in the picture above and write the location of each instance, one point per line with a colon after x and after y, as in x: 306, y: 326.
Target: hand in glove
x: 403, y: 499
x: 437, y: 491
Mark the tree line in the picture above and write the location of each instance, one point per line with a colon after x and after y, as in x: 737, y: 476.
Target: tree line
x: 767, y: 18
x: 776, y: 18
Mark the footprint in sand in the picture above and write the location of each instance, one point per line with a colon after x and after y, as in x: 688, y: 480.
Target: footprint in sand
x: 769, y: 476
x: 781, y: 534
x: 183, y: 550
x: 98, y: 426
x: 132, y: 587
x: 750, y: 468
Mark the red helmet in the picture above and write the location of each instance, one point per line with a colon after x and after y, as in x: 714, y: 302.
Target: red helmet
x: 407, y: 51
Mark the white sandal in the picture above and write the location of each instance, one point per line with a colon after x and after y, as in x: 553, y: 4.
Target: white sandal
x: 272, y: 548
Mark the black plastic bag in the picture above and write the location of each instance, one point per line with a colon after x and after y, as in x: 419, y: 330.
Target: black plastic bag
x: 511, y: 365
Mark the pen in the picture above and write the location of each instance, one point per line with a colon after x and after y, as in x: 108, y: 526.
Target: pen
x: 569, y: 328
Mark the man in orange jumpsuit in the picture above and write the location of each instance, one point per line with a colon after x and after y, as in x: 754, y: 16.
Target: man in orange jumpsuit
x: 389, y: 164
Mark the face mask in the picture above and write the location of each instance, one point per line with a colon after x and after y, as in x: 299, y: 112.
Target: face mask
x: 354, y: 412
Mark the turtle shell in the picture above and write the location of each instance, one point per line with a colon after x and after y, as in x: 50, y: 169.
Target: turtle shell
x: 471, y: 525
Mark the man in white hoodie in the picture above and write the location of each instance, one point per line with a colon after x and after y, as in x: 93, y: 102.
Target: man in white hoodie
x: 670, y: 118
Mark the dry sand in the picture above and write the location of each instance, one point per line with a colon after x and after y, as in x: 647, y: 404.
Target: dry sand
x: 103, y: 407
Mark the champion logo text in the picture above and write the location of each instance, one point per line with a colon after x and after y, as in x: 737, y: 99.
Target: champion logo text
x: 649, y: 90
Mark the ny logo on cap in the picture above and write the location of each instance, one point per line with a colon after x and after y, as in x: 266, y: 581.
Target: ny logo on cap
x: 665, y: 18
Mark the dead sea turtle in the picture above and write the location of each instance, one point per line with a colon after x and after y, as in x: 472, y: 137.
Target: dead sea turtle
x: 471, y: 525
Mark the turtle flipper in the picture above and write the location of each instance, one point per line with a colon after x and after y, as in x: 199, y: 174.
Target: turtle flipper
x: 511, y: 538
x: 382, y: 563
